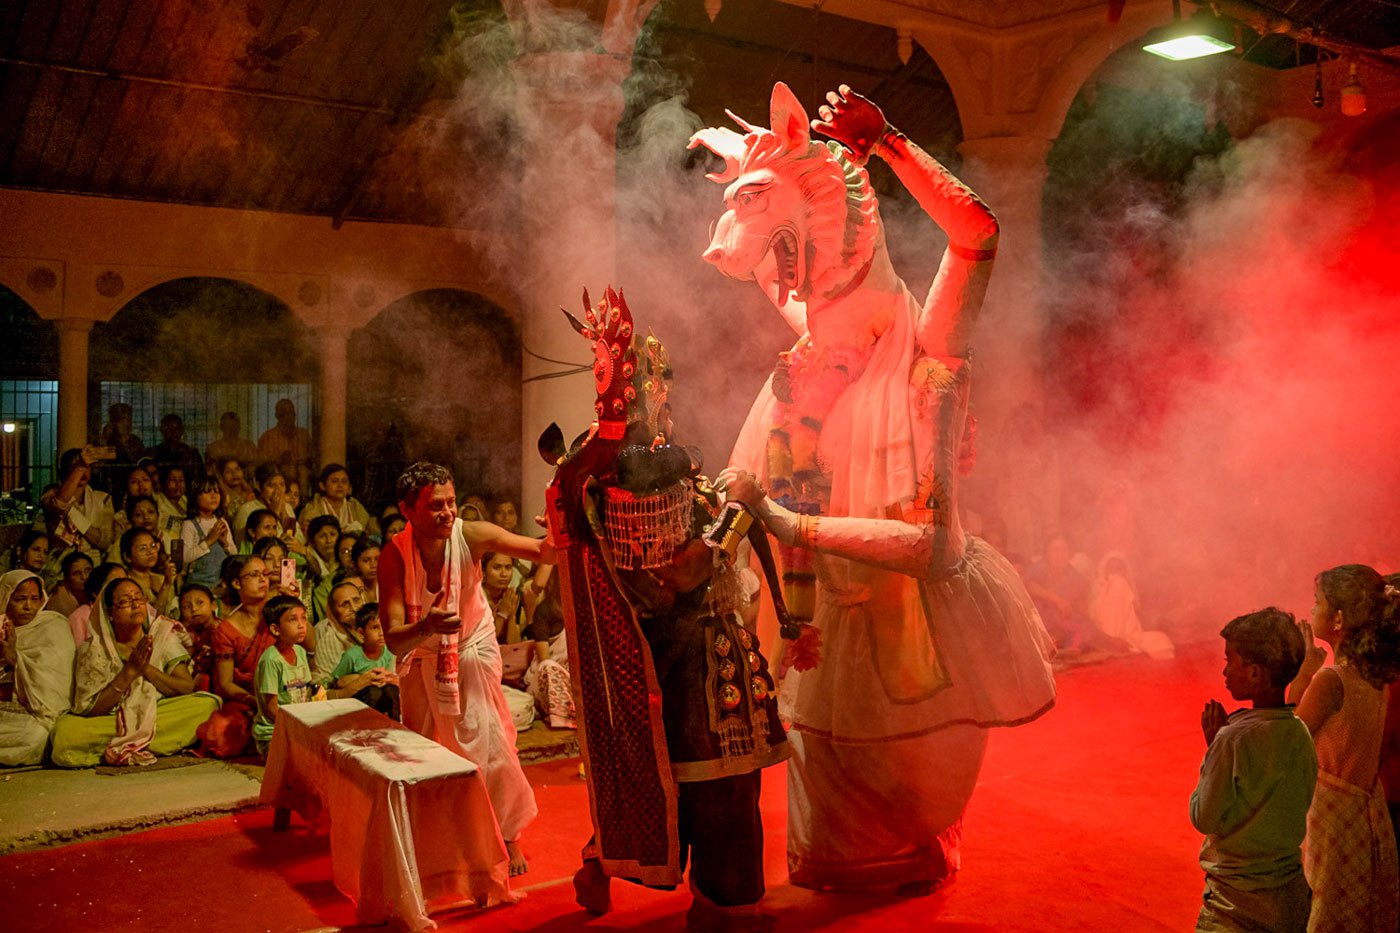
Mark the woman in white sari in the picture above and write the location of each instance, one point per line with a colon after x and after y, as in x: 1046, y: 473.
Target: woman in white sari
x: 38, y: 647
x: 133, y: 696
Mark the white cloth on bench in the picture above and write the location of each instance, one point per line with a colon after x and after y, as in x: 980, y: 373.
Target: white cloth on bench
x: 411, y: 826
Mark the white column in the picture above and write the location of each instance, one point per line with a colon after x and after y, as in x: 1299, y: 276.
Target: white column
x: 570, y: 104
x: 331, y: 439
x: 73, y: 381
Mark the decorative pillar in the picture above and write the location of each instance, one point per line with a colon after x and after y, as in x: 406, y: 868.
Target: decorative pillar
x: 1009, y: 173
x: 73, y: 381
x: 570, y: 104
x: 334, y: 370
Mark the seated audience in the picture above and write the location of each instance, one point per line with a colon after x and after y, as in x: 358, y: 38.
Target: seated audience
x: 547, y: 679
x: 273, y: 552
x: 364, y: 559
x: 504, y: 514
x: 1061, y: 595
x: 531, y: 679
x: 335, y: 499
x: 31, y: 552
x: 271, y: 488
x: 391, y: 525
x: 294, y: 498
x: 172, y: 451
x: 36, y: 656
x: 70, y: 593
x: 1113, y: 609
x: 241, y: 638
x: 366, y: 671
x: 138, y: 484
x: 344, y: 547
x: 473, y: 509
x: 75, y: 513
x: 150, y: 569
x: 138, y: 512
x: 387, y: 513
x: 206, y: 535
x: 1256, y: 782
x: 133, y: 696
x: 230, y: 444
x: 260, y: 523
x: 235, y: 485
x: 171, y: 500
x: 335, y: 633
x: 283, y: 671
x: 1350, y: 854
x: 101, y: 575
x: 321, y: 562
x: 199, y: 620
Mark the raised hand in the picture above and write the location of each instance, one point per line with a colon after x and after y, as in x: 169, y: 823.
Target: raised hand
x: 1314, y: 655
x: 441, y: 621
x: 852, y: 120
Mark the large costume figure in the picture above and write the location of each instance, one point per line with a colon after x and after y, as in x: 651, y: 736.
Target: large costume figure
x: 867, y: 417
x: 676, y: 708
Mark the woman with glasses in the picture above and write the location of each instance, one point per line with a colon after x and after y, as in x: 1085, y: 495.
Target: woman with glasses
x: 241, y: 638
x: 133, y: 695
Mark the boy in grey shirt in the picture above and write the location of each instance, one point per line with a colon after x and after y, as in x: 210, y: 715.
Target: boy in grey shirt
x: 1256, y: 784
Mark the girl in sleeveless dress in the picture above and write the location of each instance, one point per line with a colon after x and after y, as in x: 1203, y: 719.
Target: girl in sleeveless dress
x: 1349, y: 855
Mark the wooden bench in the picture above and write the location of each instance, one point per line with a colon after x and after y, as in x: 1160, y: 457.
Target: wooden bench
x: 411, y: 826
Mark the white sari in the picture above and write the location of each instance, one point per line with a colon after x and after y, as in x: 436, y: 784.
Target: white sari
x: 43, y: 679
x: 98, y: 663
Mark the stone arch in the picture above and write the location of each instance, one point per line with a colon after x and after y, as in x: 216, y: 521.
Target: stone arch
x: 1021, y: 81
x: 199, y: 346
x: 436, y: 375
x: 28, y: 395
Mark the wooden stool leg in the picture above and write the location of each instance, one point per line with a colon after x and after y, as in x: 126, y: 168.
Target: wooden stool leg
x: 281, y: 819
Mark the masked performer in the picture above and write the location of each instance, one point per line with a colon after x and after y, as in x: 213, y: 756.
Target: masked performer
x: 867, y: 417
x: 439, y: 626
x: 677, y: 714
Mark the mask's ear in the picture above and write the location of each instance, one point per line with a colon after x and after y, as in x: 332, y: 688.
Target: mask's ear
x: 788, y: 119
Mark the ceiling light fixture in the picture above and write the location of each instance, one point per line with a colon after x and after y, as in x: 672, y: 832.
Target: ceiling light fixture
x: 1201, y: 35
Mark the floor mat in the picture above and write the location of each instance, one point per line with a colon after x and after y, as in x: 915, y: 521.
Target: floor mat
x: 55, y: 806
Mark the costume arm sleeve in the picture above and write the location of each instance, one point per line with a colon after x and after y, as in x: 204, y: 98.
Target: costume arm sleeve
x: 946, y: 320
x: 884, y: 543
x: 1215, y: 791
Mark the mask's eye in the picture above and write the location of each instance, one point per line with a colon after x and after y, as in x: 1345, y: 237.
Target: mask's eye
x: 750, y: 196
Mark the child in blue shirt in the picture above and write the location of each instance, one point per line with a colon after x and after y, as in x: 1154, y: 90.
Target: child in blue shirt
x: 1256, y: 785
x: 366, y: 670
x: 283, y: 673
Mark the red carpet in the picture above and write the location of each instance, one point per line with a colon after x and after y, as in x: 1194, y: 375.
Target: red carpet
x: 1079, y: 823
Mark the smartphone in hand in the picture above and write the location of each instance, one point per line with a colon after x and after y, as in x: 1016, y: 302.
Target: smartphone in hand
x: 177, y: 554
x: 289, y: 571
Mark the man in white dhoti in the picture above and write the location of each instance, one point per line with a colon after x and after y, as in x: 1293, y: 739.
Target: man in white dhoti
x: 442, y: 632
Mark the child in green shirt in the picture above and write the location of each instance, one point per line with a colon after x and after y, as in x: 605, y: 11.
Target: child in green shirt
x: 283, y: 674
x: 367, y: 669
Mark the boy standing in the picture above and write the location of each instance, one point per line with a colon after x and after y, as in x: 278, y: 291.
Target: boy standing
x: 1256, y: 784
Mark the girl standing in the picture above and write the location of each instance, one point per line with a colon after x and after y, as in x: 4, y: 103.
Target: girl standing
x: 1349, y: 855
